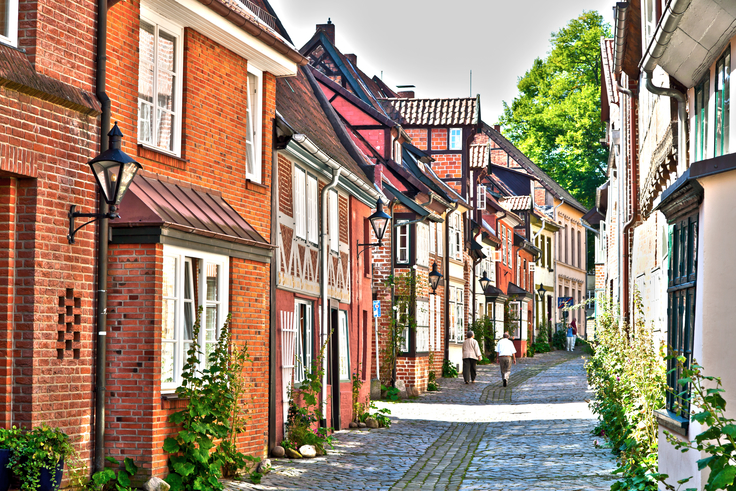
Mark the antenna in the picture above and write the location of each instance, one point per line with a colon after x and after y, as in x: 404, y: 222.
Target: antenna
x: 471, y: 83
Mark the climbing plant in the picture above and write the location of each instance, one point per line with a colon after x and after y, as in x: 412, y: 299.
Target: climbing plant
x: 403, y: 321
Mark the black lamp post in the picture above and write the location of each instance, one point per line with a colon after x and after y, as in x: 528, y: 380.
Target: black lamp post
x: 379, y: 221
x: 541, y: 291
x: 434, y: 278
x: 114, y: 171
x: 484, y: 282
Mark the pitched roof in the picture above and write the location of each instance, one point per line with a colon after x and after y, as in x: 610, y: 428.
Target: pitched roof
x: 550, y: 184
x: 516, y: 203
x: 464, y: 111
x: 518, y: 181
x: 479, y: 155
x: 300, y: 108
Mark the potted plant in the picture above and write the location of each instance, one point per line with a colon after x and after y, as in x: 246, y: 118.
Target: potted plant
x: 37, y: 458
x: 9, y: 438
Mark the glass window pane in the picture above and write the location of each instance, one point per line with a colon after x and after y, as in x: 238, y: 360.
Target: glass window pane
x: 168, y: 321
x: 213, y: 272
x: 145, y: 122
x: 169, y: 276
x: 211, y: 323
x: 167, y: 362
x: 165, y: 130
x: 166, y: 51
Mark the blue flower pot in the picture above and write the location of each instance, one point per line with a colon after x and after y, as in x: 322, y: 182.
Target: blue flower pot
x: 4, y: 471
x: 47, y: 484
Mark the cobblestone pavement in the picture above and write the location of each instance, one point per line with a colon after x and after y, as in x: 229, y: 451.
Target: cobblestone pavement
x: 532, y: 435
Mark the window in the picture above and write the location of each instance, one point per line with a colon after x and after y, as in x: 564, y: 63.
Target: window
x: 481, y: 199
x: 422, y: 328
x: 456, y: 142
x: 334, y: 222
x: 572, y: 247
x: 300, y: 212
x: 702, y: 92
x: 253, y: 127
x: 159, y: 85
x: 190, y: 280
x: 304, y: 343
x: 455, y: 237
x: 438, y: 322
x: 549, y: 253
x: 402, y: 316
x: 432, y: 314
x: 457, y: 314
x: 503, y: 245
x: 580, y: 247
x: 422, y: 244
x: 564, y: 233
x: 312, y: 210
x: 432, y: 237
x: 342, y: 317
x: 650, y: 19
x: 509, y: 246
x: 397, y: 151
x: 9, y: 22
x: 683, y: 253
x: 402, y: 244
x: 723, y: 102
x: 515, y: 319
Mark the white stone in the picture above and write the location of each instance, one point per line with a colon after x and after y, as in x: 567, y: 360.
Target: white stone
x: 308, y: 451
x: 156, y: 484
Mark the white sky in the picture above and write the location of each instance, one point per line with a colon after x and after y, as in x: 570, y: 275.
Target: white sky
x: 434, y: 45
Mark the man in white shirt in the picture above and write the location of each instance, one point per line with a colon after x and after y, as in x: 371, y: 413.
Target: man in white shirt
x: 506, y: 353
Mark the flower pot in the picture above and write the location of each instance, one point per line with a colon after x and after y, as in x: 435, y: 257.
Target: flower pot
x: 4, y: 471
x: 47, y: 484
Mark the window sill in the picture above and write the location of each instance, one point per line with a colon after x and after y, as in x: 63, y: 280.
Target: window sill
x: 255, y: 187
x: 172, y: 396
x: 161, y: 156
x: 672, y: 422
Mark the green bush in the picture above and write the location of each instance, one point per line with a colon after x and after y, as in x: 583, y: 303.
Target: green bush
x: 559, y: 339
x: 627, y: 374
x: 541, y: 347
x: 449, y: 370
x: 530, y: 351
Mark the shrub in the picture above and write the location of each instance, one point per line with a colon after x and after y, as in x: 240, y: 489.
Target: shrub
x: 628, y: 377
x: 449, y: 370
x: 559, y: 339
x: 541, y: 347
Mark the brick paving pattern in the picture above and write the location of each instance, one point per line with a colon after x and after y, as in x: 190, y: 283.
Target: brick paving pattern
x: 532, y: 435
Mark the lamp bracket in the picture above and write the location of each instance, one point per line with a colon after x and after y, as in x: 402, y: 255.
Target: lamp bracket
x: 364, y: 246
x: 112, y: 214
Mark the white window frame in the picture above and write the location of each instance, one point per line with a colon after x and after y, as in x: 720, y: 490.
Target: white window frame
x: 440, y: 238
x: 402, y: 252
x: 503, y: 245
x: 515, y: 308
x: 344, y: 355
x: 334, y: 216
x: 422, y: 244
x: 481, y: 198
x: 431, y: 322
x: 254, y: 118
x: 455, y: 139
x: 304, y: 348
x: 12, y: 37
x: 456, y: 241
x: 312, y: 199
x: 438, y: 323
x: 159, y: 23
x: 432, y: 238
x: 181, y: 256
x: 299, y: 203
x: 460, y: 316
x: 510, y: 246
x: 422, y: 335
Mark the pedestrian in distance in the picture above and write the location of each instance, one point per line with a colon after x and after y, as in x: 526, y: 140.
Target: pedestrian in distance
x: 471, y: 355
x: 506, y: 353
x: 570, y: 337
x: 574, y: 326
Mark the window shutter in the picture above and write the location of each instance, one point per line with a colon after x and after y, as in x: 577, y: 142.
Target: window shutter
x: 432, y: 237
x: 312, y: 210
x: 440, y: 238
x: 481, y: 199
x: 422, y: 246
x: 334, y: 223
x: 299, y: 215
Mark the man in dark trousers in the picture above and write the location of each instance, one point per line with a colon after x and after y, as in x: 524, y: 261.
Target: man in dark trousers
x: 506, y: 353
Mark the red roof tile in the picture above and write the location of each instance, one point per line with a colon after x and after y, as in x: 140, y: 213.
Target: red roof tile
x: 463, y: 111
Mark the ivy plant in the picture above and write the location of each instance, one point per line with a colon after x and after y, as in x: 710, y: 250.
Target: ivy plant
x: 109, y: 480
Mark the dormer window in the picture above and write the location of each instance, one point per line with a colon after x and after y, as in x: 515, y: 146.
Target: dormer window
x: 456, y: 141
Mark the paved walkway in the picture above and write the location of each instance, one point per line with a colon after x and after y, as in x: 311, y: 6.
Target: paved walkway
x: 532, y: 435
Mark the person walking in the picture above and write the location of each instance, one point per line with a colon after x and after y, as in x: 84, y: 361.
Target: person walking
x: 506, y: 353
x: 574, y: 326
x: 570, y: 337
x: 471, y: 355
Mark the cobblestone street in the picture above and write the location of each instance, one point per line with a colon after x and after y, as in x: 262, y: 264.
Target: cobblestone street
x: 532, y: 435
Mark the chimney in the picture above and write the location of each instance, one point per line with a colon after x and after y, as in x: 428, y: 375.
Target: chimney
x: 406, y: 94
x: 328, y: 29
x: 352, y: 59
x: 497, y: 127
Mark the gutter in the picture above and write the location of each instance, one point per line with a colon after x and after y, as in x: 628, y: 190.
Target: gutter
x: 325, y: 254
x: 618, y: 55
x: 102, y: 238
x: 314, y: 150
x: 589, y: 228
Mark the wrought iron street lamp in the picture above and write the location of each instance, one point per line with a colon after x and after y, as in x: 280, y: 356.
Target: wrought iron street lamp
x: 541, y: 291
x: 114, y: 171
x: 484, y: 282
x: 379, y: 221
x: 434, y: 278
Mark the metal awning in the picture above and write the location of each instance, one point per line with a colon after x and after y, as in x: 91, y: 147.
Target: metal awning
x: 409, y: 203
x: 171, y: 212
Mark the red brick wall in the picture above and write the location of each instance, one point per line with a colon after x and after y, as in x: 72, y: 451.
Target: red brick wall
x: 439, y: 138
x: 413, y: 371
x: 418, y: 137
x: 8, y: 202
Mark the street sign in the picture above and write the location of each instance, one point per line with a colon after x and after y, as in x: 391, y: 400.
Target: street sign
x: 376, y: 308
x: 563, y: 302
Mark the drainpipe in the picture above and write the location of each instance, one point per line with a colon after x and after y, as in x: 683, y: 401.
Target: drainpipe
x: 447, y: 282
x: 272, y: 366
x: 103, y: 230
x: 325, y: 253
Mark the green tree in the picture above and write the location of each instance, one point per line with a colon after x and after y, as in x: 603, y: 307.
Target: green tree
x: 556, y: 118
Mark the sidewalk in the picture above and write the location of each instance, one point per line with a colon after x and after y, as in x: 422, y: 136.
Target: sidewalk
x: 532, y: 435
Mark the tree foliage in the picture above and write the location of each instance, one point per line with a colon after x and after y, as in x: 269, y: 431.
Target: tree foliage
x: 556, y: 118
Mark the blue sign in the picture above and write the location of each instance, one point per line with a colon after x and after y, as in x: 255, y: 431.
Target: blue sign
x: 563, y: 302
x: 376, y: 308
